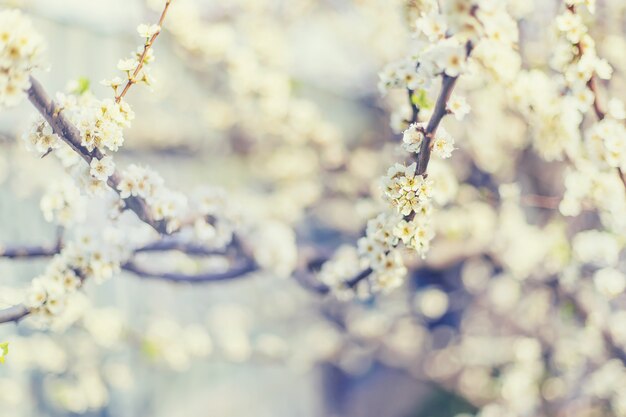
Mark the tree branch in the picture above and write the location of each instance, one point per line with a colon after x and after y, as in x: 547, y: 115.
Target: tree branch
x: 19, y: 252
x: 238, y: 271
x: 423, y: 156
x: 248, y: 265
x: 172, y: 244
x: 53, y: 113
x: 15, y: 313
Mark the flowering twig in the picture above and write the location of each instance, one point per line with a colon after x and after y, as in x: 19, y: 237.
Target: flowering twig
x: 133, y: 79
x: 441, y: 110
x: 53, y: 113
x: 423, y: 156
x: 593, y: 87
x: 601, y: 114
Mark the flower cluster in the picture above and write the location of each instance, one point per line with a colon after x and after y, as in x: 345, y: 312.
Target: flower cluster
x: 20, y: 52
x: 215, y: 217
x: 336, y: 273
x: 495, y: 36
x: 442, y: 38
x: 40, y: 138
x: 445, y: 56
x: 442, y: 143
x: 553, y: 119
x: 165, y: 204
x: 576, y: 57
x: 586, y: 184
x: 48, y: 293
x: 416, y: 233
x: 440, y: 47
x: 555, y: 106
x: 408, y: 192
x: 63, y: 203
x: 100, y: 125
x: 378, y: 247
x: 100, y: 122
x: 606, y: 142
x: 92, y: 255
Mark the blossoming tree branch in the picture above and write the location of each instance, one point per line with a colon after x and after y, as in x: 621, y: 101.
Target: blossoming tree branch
x: 89, y: 131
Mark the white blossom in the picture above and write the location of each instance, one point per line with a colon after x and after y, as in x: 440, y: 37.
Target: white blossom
x: 21, y: 50
x: 102, y: 169
x: 146, y: 30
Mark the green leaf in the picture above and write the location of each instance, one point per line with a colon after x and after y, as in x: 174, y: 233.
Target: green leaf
x: 82, y: 85
x: 420, y: 99
x: 4, y: 351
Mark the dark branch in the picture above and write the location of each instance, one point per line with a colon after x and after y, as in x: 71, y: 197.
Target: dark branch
x: 19, y: 252
x: 15, y: 313
x: 237, y: 271
x: 188, y: 248
x: 423, y: 156
x: 359, y: 277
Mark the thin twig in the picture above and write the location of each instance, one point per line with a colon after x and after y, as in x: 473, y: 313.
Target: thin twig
x: 593, y: 87
x: 133, y: 79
